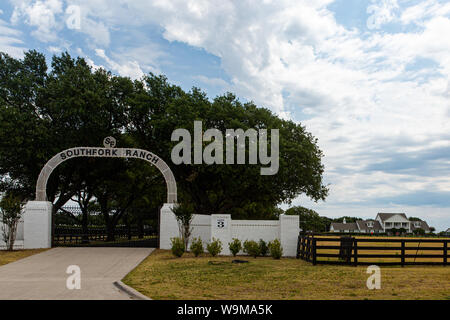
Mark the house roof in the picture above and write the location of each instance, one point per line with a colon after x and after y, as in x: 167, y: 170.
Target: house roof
x: 423, y: 225
x: 385, y: 216
x: 344, y: 226
x: 363, y: 225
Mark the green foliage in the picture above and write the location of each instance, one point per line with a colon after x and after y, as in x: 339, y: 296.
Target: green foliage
x: 393, y: 231
x: 197, y: 246
x: 275, y: 249
x: 347, y: 219
x: 235, y: 246
x: 178, y: 247
x: 10, y: 213
x: 184, y: 212
x: 309, y: 219
x: 214, y: 247
x: 263, y: 248
x: 251, y: 248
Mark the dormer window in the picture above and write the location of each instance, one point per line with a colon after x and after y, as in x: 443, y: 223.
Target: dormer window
x: 417, y: 224
x: 370, y: 224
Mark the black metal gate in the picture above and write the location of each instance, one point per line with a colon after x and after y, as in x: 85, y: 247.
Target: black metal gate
x: 65, y: 235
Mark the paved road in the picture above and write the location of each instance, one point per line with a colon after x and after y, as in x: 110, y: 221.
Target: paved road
x: 43, y: 276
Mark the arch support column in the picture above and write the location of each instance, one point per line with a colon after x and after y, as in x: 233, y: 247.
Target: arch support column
x: 37, y: 228
x: 168, y: 226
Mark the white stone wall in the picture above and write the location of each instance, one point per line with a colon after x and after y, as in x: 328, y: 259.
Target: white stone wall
x: 201, y: 227
x: 222, y: 227
x: 267, y: 230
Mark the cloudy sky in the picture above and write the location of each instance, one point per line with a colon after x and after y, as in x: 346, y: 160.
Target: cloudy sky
x: 369, y: 78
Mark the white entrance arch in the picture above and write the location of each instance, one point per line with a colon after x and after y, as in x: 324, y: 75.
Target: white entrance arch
x: 38, y: 213
x: 41, y: 185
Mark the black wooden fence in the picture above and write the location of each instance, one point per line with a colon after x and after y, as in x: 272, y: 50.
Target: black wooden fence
x: 351, y: 251
x: 97, y: 236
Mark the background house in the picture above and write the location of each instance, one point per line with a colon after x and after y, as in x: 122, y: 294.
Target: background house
x: 343, y: 227
x: 383, y: 223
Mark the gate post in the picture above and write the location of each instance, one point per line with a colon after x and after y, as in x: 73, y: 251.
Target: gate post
x: 168, y: 226
x: 289, y: 230
x: 37, y: 225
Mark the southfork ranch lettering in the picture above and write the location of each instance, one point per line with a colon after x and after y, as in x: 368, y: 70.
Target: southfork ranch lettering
x: 41, y: 194
x: 110, y: 153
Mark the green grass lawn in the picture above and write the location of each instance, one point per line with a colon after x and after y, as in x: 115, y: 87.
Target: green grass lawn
x: 413, y: 248
x: 162, y: 276
x: 11, y: 256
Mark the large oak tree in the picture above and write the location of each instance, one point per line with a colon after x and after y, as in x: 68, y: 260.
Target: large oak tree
x: 46, y: 110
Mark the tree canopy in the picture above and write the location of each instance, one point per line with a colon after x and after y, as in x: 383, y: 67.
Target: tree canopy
x: 46, y: 110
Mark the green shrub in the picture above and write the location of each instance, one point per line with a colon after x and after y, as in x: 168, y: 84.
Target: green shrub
x: 235, y: 246
x: 197, y: 246
x: 275, y: 249
x: 177, y: 247
x: 184, y: 213
x: 214, y: 247
x: 263, y: 248
x: 251, y: 248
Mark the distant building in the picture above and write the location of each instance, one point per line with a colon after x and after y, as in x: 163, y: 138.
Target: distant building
x: 383, y: 223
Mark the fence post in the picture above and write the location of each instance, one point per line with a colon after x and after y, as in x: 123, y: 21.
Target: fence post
x: 302, y: 248
x: 355, y: 252
x: 314, y: 252
x: 308, y: 249
x: 445, y: 252
x: 298, y: 246
x: 403, y: 253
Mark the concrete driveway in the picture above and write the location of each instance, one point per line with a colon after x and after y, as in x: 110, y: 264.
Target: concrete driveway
x: 43, y: 276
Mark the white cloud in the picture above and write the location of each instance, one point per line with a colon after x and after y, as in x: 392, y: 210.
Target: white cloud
x: 50, y: 17
x: 96, y: 30
x: 381, y: 12
x: 127, y: 69
x: 10, y: 41
x: 42, y: 15
x: 215, y: 82
x: 352, y: 87
x: 424, y: 10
